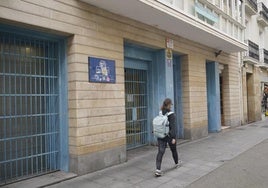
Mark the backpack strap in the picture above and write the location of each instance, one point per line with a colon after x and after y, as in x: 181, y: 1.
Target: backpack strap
x: 169, y: 113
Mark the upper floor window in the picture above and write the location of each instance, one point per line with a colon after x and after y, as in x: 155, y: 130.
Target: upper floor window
x: 176, y: 4
x: 218, y: 3
x: 205, y: 13
x: 224, y: 25
x: 225, y: 6
x: 230, y: 10
x: 240, y: 11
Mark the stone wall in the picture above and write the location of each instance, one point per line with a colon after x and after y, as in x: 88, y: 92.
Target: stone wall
x: 97, y: 137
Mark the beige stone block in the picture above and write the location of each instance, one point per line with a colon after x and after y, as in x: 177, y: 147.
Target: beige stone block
x: 73, y: 150
x: 93, y: 42
x: 94, y: 51
x: 73, y: 20
x: 100, y: 138
x: 71, y: 85
x: 26, y: 7
x: 78, y: 66
x: 103, y: 36
x: 87, y: 95
x: 72, y: 95
x: 72, y: 141
x: 98, y: 129
x: 78, y: 76
x: 98, y: 86
x: 100, y: 146
x: 91, y: 121
x: 72, y: 131
x: 73, y: 123
x: 72, y: 104
x: 99, y: 103
x: 90, y: 112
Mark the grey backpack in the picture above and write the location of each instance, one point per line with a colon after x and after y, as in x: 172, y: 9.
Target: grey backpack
x: 161, y: 125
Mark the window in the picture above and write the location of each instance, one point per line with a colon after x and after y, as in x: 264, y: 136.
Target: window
x: 230, y: 8
x: 236, y: 32
x: 225, y: 6
x: 218, y: 3
x: 216, y: 24
x: 201, y: 17
x: 178, y: 4
x: 206, y: 14
x: 230, y: 28
x: 240, y: 11
x: 224, y: 25
x: 166, y: 2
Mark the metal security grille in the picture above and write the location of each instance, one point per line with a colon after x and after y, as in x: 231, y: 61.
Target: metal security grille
x: 29, y: 106
x: 136, y: 107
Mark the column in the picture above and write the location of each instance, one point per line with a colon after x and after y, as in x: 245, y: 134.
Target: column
x: 195, y: 119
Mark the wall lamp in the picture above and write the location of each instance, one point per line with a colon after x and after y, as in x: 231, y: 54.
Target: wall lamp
x: 218, y: 53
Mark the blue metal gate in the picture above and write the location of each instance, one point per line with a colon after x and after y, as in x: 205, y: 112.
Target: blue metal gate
x: 136, y: 107
x: 29, y: 106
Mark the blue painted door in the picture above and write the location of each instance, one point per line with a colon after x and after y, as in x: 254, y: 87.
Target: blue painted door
x: 213, y: 97
x: 137, y: 60
x: 178, y: 95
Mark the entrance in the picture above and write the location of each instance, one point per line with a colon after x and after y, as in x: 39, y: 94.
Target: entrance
x: 178, y: 95
x: 136, y: 107
x: 250, y: 97
x: 29, y: 106
x: 221, y: 100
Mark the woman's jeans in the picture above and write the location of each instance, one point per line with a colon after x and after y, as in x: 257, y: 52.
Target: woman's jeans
x: 162, y: 144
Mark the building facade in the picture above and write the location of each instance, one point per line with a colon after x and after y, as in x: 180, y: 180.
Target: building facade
x: 82, y: 80
x: 255, y: 59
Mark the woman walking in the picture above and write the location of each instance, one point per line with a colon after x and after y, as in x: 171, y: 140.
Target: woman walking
x: 170, y: 139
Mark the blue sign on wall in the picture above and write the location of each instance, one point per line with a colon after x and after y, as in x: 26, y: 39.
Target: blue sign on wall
x: 101, y: 70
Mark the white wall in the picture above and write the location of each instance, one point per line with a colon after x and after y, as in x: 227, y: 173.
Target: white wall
x: 252, y: 30
x: 266, y: 38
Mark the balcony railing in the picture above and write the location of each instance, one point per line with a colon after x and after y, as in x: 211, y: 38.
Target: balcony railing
x: 264, y: 56
x: 263, y: 10
x: 253, y: 50
x: 253, y: 4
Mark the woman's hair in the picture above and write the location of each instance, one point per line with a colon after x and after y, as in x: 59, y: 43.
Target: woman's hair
x: 166, y: 103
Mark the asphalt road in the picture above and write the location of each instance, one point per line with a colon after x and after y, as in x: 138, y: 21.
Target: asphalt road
x: 248, y: 170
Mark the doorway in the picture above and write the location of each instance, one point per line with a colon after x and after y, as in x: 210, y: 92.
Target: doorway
x: 178, y: 109
x: 136, y: 104
x: 250, y: 97
x: 32, y: 102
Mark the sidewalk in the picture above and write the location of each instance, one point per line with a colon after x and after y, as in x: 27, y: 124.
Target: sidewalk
x: 248, y: 170
x: 200, y: 158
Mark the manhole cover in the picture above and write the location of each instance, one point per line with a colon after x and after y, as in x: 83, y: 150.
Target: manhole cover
x: 240, y: 129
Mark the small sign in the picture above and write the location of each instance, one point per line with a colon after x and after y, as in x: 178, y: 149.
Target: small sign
x: 101, y: 70
x: 168, y: 53
x: 169, y: 43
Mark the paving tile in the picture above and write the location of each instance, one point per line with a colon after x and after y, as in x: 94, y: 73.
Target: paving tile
x: 134, y: 179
